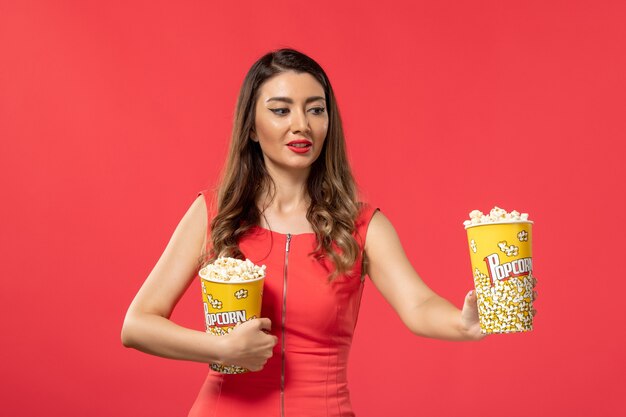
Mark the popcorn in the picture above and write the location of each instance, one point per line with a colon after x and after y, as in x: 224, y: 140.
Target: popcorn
x: 233, y: 270
x: 496, y: 215
x: 506, y: 306
x: 232, y: 293
x: 501, y: 256
x: 215, y: 303
x: 509, y: 250
x: 522, y: 236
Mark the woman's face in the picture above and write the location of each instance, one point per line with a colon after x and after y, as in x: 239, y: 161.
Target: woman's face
x: 291, y: 121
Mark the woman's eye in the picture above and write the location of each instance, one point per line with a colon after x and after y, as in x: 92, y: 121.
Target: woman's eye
x: 317, y: 110
x: 280, y: 112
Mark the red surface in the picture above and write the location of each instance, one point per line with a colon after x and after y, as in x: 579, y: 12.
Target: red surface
x: 114, y: 114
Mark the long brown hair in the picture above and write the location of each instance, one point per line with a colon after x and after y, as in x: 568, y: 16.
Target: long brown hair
x: 330, y: 185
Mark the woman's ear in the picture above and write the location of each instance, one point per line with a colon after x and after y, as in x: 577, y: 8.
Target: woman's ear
x: 253, y: 136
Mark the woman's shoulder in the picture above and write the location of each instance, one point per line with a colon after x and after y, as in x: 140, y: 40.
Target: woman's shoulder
x: 365, y: 207
x: 206, y: 200
x: 209, y: 201
x: 197, y: 212
x: 366, y: 213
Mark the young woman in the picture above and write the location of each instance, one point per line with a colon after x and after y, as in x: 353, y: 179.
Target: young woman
x: 287, y: 200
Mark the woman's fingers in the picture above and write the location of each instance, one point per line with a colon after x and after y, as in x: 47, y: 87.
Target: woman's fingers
x: 264, y: 323
x: 250, y: 344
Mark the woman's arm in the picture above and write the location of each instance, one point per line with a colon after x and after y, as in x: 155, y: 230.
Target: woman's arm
x: 423, y: 311
x: 147, y: 326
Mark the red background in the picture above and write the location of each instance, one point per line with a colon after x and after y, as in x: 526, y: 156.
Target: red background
x: 114, y: 114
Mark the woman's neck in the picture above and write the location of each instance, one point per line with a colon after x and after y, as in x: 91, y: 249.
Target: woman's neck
x: 288, y: 195
x: 285, y: 198
x: 286, y: 212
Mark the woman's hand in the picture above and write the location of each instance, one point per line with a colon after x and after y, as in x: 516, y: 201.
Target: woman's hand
x: 469, y: 317
x: 248, y: 345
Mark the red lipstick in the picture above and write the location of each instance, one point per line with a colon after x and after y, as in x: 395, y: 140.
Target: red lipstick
x: 300, y: 145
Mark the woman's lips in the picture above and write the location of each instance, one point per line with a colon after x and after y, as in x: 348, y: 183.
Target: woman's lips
x: 300, y: 146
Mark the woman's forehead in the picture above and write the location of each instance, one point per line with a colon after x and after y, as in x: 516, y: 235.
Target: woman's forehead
x: 292, y: 85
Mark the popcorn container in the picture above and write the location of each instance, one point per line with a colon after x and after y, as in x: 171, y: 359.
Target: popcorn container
x: 501, y: 256
x: 228, y: 303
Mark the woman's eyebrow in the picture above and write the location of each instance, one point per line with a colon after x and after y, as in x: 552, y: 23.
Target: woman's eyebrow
x: 290, y: 101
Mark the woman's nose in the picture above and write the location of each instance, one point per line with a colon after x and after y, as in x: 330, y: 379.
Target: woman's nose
x: 299, y: 122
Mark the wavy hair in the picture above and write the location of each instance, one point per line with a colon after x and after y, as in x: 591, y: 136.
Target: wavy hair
x: 331, y: 187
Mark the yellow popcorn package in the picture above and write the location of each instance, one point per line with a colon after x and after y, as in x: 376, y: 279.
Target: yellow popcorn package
x: 232, y: 291
x: 500, y: 248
